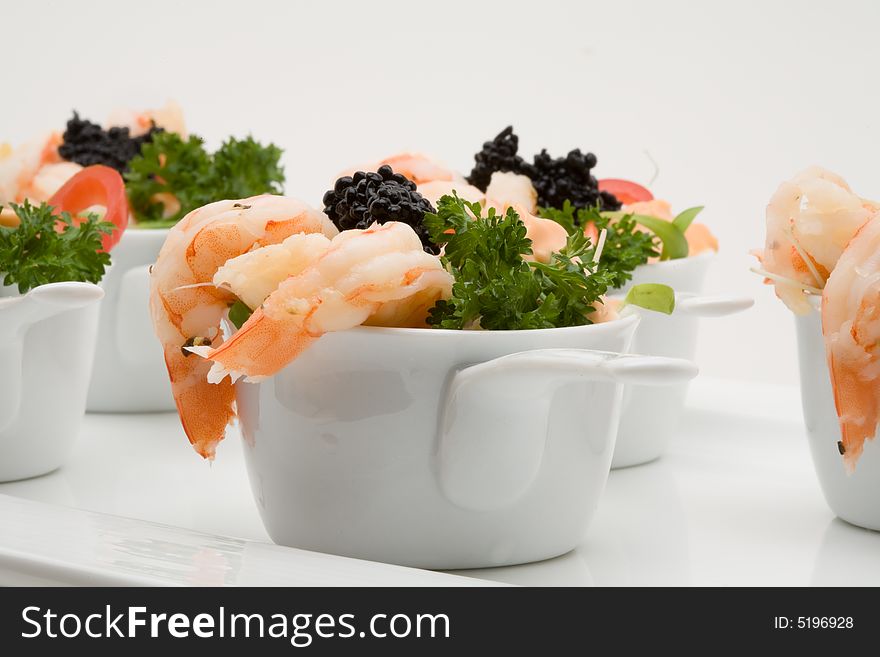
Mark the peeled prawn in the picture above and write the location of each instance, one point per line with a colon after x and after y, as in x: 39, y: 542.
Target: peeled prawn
x: 507, y: 188
x: 810, y: 220
x: 20, y: 166
x: 851, y: 327
x: 169, y: 118
x: 415, y: 166
x: 380, y: 275
x: 437, y: 189
x: 187, y: 308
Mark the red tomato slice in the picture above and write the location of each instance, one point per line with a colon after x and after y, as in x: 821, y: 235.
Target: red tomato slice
x: 96, y: 185
x: 626, y: 192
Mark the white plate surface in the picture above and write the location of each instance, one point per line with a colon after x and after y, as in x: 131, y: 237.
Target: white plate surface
x: 735, y: 502
x: 47, y: 544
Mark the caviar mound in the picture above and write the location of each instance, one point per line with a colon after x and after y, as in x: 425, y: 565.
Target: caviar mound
x: 359, y: 200
x: 500, y: 154
x: 556, y: 180
x: 87, y: 143
x: 569, y: 178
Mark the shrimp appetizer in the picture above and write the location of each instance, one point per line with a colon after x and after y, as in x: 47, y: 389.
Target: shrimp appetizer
x: 810, y: 220
x: 187, y: 308
x: 380, y: 254
x: 167, y: 172
x: 380, y: 276
x: 303, y: 278
x: 416, y: 167
x: 641, y: 229
x: 823, y: 239
x: 36, y: 169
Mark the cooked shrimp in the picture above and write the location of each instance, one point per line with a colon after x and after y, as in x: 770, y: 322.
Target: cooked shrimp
x: 507, y: 188
x: 654, y: 208
x: 48, y: 180
x: 510, y: 190
x: 19, y: 166
x: 547, y: 236
x: 187, y: 308
x: 253, y: 276
x: 415, y: 166
x: 605, y: 310
x: 436, y: 189
x: 810, y: 220
x: 169, y: 118
x: 700, y: 239
x: 851, y: 326
x: 380, y: 275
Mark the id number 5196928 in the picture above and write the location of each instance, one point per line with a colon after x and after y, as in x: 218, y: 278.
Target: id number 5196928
x: 813, y: 622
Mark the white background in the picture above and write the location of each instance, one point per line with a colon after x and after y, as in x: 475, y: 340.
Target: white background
x: 728, y: 98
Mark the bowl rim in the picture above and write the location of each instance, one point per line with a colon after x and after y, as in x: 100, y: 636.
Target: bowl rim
x: 619, y: 323
x: 133, y: 229
x: 678, y: 262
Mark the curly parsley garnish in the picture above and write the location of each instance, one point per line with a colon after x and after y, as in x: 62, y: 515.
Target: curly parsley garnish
x: 52, y: 248
x: 495, y: 287
x: 626, y: 247
x: 183, y: 168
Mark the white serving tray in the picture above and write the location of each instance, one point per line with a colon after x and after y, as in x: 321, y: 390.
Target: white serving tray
x: 47, y: 544
x: 735, y: 502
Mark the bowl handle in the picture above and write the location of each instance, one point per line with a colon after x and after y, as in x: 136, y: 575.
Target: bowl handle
x: 494, y: 420
x: 17, y: 315
x: 712, y: 306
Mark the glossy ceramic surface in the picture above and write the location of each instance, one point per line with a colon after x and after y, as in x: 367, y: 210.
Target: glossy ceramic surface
x: 682, y: 275
x: 129, y: 370
x: 853, y: 496
x: 54, y: 545
x: 441, y: 449
x: 733, y: 503
x: 47, y: 342
x: 651, y: 416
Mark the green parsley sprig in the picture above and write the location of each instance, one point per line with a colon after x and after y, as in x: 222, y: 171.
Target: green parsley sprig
x: 36, y: 252
x: 183, y: 168
x: 495, y: 287
x: 625, y: 248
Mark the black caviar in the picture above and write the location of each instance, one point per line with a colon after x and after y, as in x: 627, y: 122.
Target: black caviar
x: 556, y: 180
x: 366, y: 197
x: 87, y: 143
x: 500, y: 154
x: 569, y: 178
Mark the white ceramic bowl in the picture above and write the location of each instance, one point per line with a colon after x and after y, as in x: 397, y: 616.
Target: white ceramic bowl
x: 129, y: 371
x: 441, y: 449
x: 682, y: 275
x: 47, y: 342
x: 651, y: 416
x: 854, y: 497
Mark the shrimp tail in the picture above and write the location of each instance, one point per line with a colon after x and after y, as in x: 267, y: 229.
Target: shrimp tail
x: 850, y: 392
x: 187, y: 308
x: 193, y: 395
x: 851, y: 328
